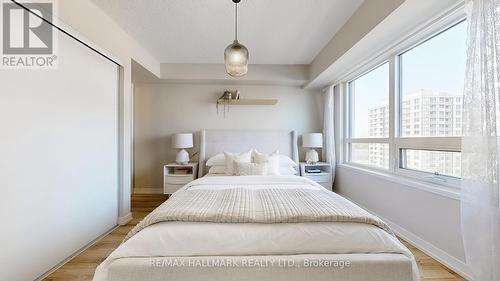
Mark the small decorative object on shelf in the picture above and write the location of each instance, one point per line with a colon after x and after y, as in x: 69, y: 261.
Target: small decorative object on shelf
x: 226, y: 99
x: 312, y: 141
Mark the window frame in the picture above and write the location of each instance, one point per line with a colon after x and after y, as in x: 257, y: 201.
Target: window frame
x: 395, y: 140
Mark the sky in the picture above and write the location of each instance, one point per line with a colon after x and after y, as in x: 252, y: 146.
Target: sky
x: 437, y: 64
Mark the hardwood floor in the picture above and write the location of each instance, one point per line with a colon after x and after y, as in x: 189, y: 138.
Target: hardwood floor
x: 82, y: 267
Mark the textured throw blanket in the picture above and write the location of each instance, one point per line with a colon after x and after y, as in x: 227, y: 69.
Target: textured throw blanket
x: 258, y: 203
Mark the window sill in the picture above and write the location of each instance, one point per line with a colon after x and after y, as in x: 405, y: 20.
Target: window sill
x: 445, y: 191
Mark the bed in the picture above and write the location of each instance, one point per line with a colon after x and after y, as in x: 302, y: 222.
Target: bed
x: 258, y: 228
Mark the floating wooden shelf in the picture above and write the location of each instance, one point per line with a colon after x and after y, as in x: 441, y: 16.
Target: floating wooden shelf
x: 249, y: 102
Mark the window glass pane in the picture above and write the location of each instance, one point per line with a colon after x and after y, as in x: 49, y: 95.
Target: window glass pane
x: 432, y: 85
x: 443, y: 162
x: 372, y: 154
x: 370, y: 106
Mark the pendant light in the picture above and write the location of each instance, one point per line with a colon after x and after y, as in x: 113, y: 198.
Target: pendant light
x: 236, y: 55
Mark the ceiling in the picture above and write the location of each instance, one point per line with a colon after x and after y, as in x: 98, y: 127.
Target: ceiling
x: 197, y: 31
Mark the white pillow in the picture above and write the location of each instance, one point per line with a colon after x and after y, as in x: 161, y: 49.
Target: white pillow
x: 245, y: 157
x: 217, y: 160
x: 288, y: 171
x: 220, y: 160
x: 287, y: 161
x: 221, y: 170
x: 273, y: 160
x: 250, y: 169
x: 217, y: 170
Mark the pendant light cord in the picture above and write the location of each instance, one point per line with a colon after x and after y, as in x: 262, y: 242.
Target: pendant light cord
x: 236, y: 21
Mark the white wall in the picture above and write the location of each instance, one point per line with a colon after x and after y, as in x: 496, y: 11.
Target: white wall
x: 165, y: 109
x: 58, y: 160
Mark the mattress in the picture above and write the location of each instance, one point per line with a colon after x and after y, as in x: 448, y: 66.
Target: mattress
x: 183, y: 250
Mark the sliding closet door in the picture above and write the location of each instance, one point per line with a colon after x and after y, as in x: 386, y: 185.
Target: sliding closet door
x: 58, y: 159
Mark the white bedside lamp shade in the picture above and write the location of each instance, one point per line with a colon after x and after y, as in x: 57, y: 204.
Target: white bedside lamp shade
x: 182, y: 141
x: 312, y: 141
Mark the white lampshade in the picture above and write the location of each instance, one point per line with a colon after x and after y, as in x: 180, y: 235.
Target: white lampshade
x: 182, y: 140
x: 312, y: 140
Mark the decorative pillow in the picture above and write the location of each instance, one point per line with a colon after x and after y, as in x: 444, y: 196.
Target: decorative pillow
x: 220, y: 160
x: 217, y: 170
x: 288, y: 171
x: 272, y: 159
x: 287, y: 161
x: 217, y: 160
x: 250, y: 169
x: 245, y: 157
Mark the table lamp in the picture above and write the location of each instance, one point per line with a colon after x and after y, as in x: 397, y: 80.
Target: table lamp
x: 182, y: 141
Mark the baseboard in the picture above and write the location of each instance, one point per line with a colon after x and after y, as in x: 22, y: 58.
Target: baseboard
x: 434, y: 252
x: 65, y: 261
x: 123, y: 220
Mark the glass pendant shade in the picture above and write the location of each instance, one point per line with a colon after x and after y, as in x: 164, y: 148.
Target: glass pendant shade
x: 236, y: 59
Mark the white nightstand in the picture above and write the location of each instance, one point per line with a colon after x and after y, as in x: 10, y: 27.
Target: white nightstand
x: 324, y: 178
x: 176, y: 176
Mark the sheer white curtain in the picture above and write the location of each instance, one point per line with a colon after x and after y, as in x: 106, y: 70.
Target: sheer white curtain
x: 328, y: 129
x: 480, y: 211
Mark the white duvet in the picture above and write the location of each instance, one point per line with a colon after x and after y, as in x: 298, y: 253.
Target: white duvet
x: 187, y: 239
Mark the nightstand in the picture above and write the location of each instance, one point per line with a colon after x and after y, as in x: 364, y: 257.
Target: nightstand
x: 176, y: 176
x: 324, y: 177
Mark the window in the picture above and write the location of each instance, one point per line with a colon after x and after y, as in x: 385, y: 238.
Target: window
x: 369, y: 95
x: 421, y: 132
x: 435, y: 69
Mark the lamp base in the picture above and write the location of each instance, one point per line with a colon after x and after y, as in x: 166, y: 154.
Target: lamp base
x: 312, y: 156
x: 182, y: 157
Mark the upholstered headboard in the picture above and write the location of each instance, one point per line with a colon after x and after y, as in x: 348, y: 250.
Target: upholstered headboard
x: 213, y: 142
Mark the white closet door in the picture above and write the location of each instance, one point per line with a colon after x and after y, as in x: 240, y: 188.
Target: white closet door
x: 58, y: 159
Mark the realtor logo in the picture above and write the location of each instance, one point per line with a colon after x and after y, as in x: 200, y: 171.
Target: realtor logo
x: 27, y: 40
